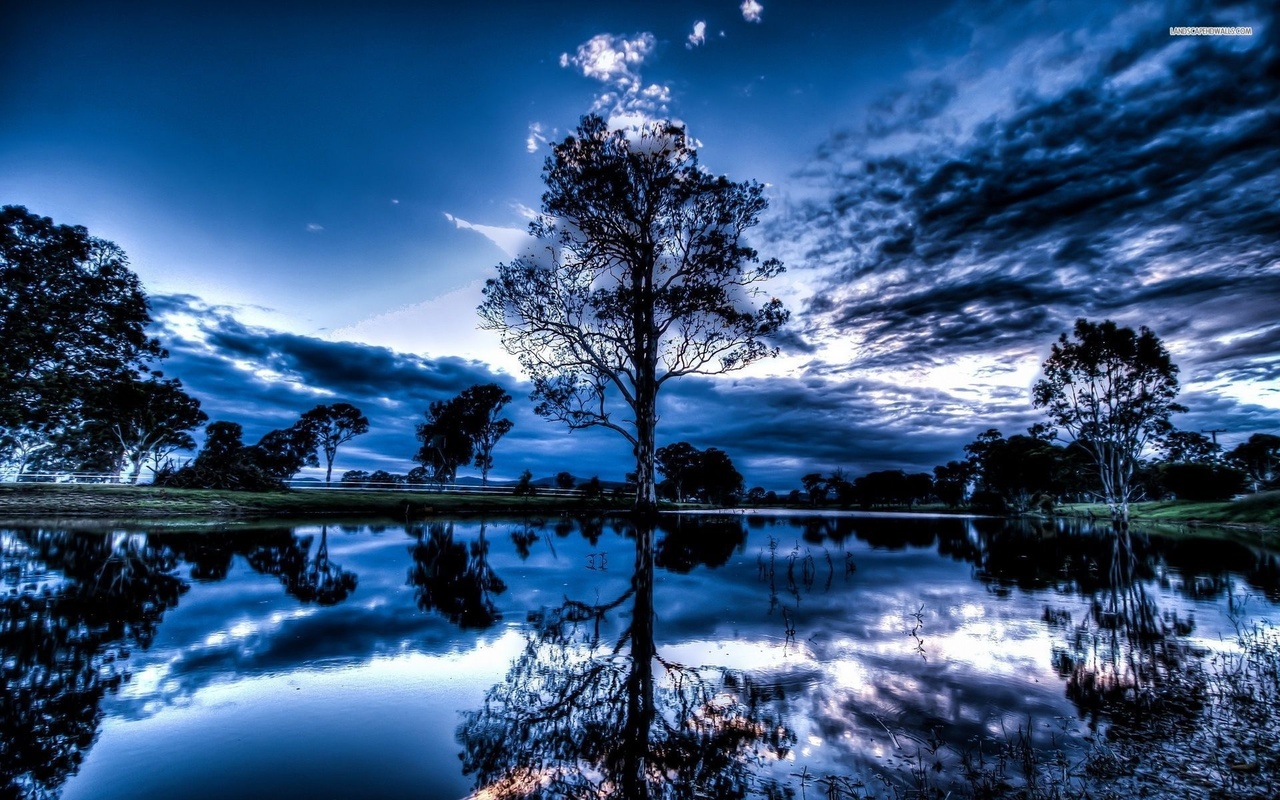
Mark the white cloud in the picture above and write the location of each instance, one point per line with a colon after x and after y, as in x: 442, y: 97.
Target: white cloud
x: 751, y: 10
x: 314, y: 228
x: 611, y: 59
x: 442, y: 326
x: 535, y: 138
x: 699, y: 35
x: 512, y: 241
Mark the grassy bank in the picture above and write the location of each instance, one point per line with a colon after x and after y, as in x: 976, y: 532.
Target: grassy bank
x: 127, y: 502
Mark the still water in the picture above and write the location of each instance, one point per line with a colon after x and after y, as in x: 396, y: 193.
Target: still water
x: 713, y: 656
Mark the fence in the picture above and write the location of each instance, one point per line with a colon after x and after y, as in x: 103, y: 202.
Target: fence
x: 301, y: 484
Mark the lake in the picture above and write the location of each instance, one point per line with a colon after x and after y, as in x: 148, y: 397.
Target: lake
x: 742, y: 655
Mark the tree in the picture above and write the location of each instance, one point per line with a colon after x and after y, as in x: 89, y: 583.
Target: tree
x: 463, y: 429
x: 223, y: 463
x: 718, y: 481
x: 334, y: 425
x: 564, y: 481
x: 641, y: 277
x: 678, y: 462
x: 1259, y: 457
x: 1190, y: 447
x: 283, y: 453
x: 1113, y: 390
x: 72, y: 316
x: 148, y: 418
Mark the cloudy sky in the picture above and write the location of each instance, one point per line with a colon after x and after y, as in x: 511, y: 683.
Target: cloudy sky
x: 314, y: 193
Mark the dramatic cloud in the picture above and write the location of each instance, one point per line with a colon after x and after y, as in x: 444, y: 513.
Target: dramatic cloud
x: 751, y: 10
x: 1111, y: 172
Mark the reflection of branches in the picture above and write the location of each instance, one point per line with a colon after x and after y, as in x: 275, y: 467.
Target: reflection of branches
x: 1129, y: 661
x: 581, y: 715
x: 309, y: 579
x: 454, y: 579
x: 65, y: 645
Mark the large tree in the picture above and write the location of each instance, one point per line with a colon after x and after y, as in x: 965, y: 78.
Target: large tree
x: 148, y: 418
x: 1259, y: 457
x: 1113, y: 390
x: 640, y: 275
x: 72, y: 316
x: 331, y: 426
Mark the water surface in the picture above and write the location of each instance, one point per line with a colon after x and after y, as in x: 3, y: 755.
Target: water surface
x: 713, y: 656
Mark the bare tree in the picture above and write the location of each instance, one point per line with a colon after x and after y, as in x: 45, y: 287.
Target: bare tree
x: 639, y: 276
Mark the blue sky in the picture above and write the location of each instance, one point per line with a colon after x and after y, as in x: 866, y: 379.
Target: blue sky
x: 314, y: 193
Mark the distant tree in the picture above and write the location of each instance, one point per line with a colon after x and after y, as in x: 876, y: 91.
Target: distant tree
x: 641, y: 276
x: 564, y: 480
x: 1190, y: 447
x: 951, y: 481
x: 354, y: 477
x: 463, y: 429
x: 381, y: 479
x: 593, y: 489
x: 816, y: 487
x: 72, y: 317
x: 332, y: 426
x: 1259, y: 458
x: 1201, y: 481
x: 148, y: 418
x: 756, y: 495
x: 718, y: 481
x: 1113, y: 390
x: 524, y: 487
x: 283, y: 453
x: 677, y: 463
x: 223, y: 463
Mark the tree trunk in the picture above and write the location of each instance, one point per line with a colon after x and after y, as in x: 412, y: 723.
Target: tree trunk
x: 635, y: 778
x: 135, y: 468
x: 646, y: 429
x: 328, y: 473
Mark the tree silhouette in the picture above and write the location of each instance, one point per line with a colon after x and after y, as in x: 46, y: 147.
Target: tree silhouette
x: 461, y: 429
x: 331, y: 426
x: 641, y: 276
x: 73, y: 316
x: 580, y: 715
x: 453, y: 578
x: 149, y: 418
x: 1113, y: 390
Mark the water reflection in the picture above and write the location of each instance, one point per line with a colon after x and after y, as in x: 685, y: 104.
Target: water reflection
x: 454, y: 578
x: 718, y: 656
x: 587, y: 713
x: 74, y: 608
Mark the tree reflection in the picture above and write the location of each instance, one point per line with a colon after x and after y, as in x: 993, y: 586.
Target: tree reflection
x: 311, y: 579
x: 454, y: 578
x: 583, y: 713
x: 1128, y: 662
x: 74, y: 606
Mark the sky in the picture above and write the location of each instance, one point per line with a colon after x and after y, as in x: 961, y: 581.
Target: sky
x: 314, y: 193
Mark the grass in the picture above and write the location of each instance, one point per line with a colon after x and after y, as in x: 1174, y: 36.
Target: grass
x: 123, y: 502
x: 1257, y: 513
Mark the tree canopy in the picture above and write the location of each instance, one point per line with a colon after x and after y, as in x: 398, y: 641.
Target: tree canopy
x: 73, y: 318
x: 639, y: 275
x: 463, y: 429
x: 331, y: 426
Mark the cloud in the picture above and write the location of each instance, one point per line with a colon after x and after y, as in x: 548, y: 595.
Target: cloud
x: 611, y: 59
x: 512, y: 241
x: 627, y: 101
x: 1110, y: 171
x: 314, y: 228
x: 536, y: 137
x: 751, y: 10
x: 699, y: 35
